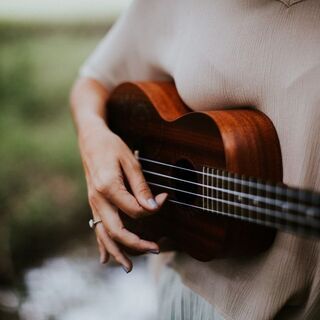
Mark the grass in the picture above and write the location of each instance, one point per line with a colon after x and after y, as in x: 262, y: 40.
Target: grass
x: 42, y: 192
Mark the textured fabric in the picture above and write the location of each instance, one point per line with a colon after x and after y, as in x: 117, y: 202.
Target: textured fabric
x: 178, y: 302
x: 226, y: 53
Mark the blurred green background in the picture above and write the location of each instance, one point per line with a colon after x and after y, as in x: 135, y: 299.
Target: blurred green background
x: 47, y: 251
x: 43, y: 202
x: 42, y: 191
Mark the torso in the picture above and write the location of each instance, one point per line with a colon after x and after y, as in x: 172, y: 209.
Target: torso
x: 267, y: 56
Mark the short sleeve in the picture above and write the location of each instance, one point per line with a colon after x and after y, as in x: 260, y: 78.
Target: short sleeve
x: 128, y: 51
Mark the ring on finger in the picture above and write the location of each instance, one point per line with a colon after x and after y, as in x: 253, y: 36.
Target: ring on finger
x: 93, y: 223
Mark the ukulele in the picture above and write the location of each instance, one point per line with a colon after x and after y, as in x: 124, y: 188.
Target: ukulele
x: 222, y: 170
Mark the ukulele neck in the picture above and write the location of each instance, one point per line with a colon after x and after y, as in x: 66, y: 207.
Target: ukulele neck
x: 252, y: 200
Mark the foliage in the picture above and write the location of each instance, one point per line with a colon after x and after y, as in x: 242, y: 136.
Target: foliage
x: 42, y: 190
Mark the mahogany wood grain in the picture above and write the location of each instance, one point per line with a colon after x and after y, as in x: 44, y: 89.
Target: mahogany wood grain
x: 152, y: 118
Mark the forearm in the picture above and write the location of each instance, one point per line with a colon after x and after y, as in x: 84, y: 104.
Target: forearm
x: 88, y: 100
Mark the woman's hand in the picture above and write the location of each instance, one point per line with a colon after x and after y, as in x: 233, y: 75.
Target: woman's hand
x: 107, y: 161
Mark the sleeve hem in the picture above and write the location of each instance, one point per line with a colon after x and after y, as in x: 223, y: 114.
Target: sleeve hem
x: 87, y: 71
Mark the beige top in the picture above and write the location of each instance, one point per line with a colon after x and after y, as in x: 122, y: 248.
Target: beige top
x: 222, y: 53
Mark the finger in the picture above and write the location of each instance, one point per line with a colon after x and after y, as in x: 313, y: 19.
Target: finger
x: 104, y: 255
x: 138, y: 184
x: 116, y: 230
x: 113, y: 249
x: 161, y: 198
x: 132, y: 241
x: 113, y: 188
x: 126, y: 202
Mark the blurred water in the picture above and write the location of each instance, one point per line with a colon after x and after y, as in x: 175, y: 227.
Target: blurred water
x: 77, y: 288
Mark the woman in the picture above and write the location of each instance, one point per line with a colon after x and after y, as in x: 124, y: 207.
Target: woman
x: 262, y: 53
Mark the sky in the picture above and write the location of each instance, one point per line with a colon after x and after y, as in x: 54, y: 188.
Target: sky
x: 60, y: 10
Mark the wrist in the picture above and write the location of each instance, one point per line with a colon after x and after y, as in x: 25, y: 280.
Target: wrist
x: 88, y: 107
x: 91, y: 125
x: 89, y: 120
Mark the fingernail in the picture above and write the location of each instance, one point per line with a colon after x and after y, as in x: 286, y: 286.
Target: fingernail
x: 152, y: 203
x: 126, y: 269
x: 102, y: 260
x: 154, y: 251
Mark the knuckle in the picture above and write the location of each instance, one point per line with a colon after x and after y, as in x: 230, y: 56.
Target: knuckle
x: 132, y: 164
x: 136, y: 166
x: 92, y: 197
x: 103, y: 183
x: 135, y: 244
x: 100, y: 244
x: 99, y: 234
x: 142, y: 187
x: 114, y: 234
x: 110, y: 184
x: 102, y: 187
x: 117, y: 256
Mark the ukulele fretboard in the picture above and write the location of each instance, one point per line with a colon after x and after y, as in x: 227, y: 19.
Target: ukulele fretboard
x: 253, y: 200
x: 237, y: 196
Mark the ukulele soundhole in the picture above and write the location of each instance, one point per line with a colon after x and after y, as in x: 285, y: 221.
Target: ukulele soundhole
x: 185, y: 186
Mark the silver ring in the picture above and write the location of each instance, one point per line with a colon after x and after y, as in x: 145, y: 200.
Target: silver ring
x: 93, y: 223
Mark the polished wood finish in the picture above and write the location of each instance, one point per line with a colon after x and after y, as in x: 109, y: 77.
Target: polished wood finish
x: 152, y: 118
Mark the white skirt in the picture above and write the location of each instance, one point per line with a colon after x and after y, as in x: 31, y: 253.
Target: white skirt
x: 178, y: 302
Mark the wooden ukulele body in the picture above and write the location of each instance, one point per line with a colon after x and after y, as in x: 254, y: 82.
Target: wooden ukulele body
x: 151, y: 117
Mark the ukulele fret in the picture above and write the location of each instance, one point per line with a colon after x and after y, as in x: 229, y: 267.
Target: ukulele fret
x: 273, y: 205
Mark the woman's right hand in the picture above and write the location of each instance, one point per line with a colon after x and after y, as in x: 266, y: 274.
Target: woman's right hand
x: 107, y: 161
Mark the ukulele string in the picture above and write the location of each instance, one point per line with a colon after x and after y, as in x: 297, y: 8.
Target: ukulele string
x: 257, y: 198
x: 284, y: 205
x: 261, y: 211
x: 274, y: 224
x: 260, y: 186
